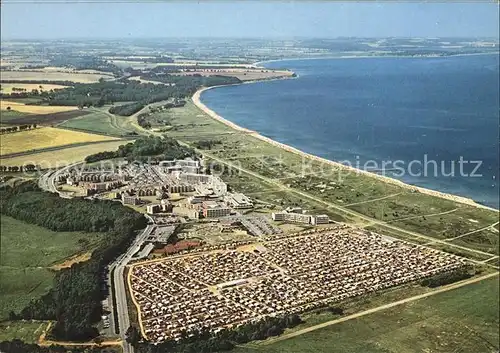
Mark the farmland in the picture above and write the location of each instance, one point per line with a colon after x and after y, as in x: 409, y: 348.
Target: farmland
x: 99, y: 121
x: 18, y: 118
x: 461, y: 320
x: 34, y: 109
x: 7, y: 87
x: 53, y: 75
x: 63, y: 156
x: 27, y: 251
x: 46, y: 137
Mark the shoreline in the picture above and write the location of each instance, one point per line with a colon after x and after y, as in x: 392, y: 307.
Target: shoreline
x: 258, y: 64
x: 413, y: 188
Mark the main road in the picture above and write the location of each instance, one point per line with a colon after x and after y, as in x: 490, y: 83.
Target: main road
x: 48, y: 180
x: 118, y: 295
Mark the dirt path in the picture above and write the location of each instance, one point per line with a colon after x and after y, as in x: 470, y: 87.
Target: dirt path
x: 474, y: 231
x: 372, y: 200
x: 380, y: 308
x: 423, y: 215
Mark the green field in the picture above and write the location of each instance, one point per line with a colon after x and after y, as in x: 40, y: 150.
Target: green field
x: 26, y: 331
x: 462, y: 320
x: 10, y: 115
x: 26, y: 254
x: 99, y: 121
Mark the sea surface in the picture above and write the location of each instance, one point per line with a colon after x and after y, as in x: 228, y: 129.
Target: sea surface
x: 383, y: 110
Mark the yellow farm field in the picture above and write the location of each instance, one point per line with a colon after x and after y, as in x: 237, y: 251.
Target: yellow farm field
x: 52, y: 75
x: 138, y: 78
x: 7, y: 87
x: 44, y: 138
x: 34, y: 109
x: 63, y: 157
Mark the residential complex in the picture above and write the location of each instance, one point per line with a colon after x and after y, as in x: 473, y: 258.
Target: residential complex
x: 234, y: 285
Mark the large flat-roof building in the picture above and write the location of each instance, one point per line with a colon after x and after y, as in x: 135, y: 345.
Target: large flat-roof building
x: 238, y: 201
x: 212, y: 209
x: 187, y: 165
x: 294, y: 217
x: 130, y: 200
x: 320, y: 219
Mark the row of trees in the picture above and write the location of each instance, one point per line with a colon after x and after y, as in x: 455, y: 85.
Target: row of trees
x: 126, y: 109
x: 445, y: 278
x: 15, y: 168
x: 145, y: 148
x: 18, y: 346
x: 40, y: 82
x: 17, y: 128
x: 206, y: 144
x: 206, y: 341
x: 74, y: 301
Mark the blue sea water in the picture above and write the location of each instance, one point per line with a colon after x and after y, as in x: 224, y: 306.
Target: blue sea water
x: 384, y: 109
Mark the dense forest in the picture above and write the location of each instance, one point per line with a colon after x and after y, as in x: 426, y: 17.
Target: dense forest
x: 190, y: 83
x: 126, y: 109
x: 205, y: 341
x: 146, y: 148
x: 74, y: 302
x: 84, y: 62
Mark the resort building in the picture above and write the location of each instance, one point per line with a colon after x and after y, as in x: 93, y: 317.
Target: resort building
x: 238, y: 201
x: 320, y: 219
x: 212, y: 209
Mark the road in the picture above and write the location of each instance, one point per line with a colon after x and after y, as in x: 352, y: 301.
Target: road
x: 48, y: 180
x: 382, y: 307
x: 116, y: 278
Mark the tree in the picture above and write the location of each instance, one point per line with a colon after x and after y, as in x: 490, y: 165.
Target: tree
x: 133, y: 336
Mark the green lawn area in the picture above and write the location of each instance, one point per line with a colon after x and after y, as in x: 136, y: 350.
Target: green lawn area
x: 97, y: 121
x: 26, y: 245
x: 27, y: 251
x: 485, y: 240
x: 27, y: 331
x: 462, y: 320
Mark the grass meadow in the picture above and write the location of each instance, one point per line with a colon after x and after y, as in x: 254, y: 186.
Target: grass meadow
x: 461, y: 320
x: 27, y: 253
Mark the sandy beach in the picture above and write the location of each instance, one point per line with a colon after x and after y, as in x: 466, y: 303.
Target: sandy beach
x: 197, y: 101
